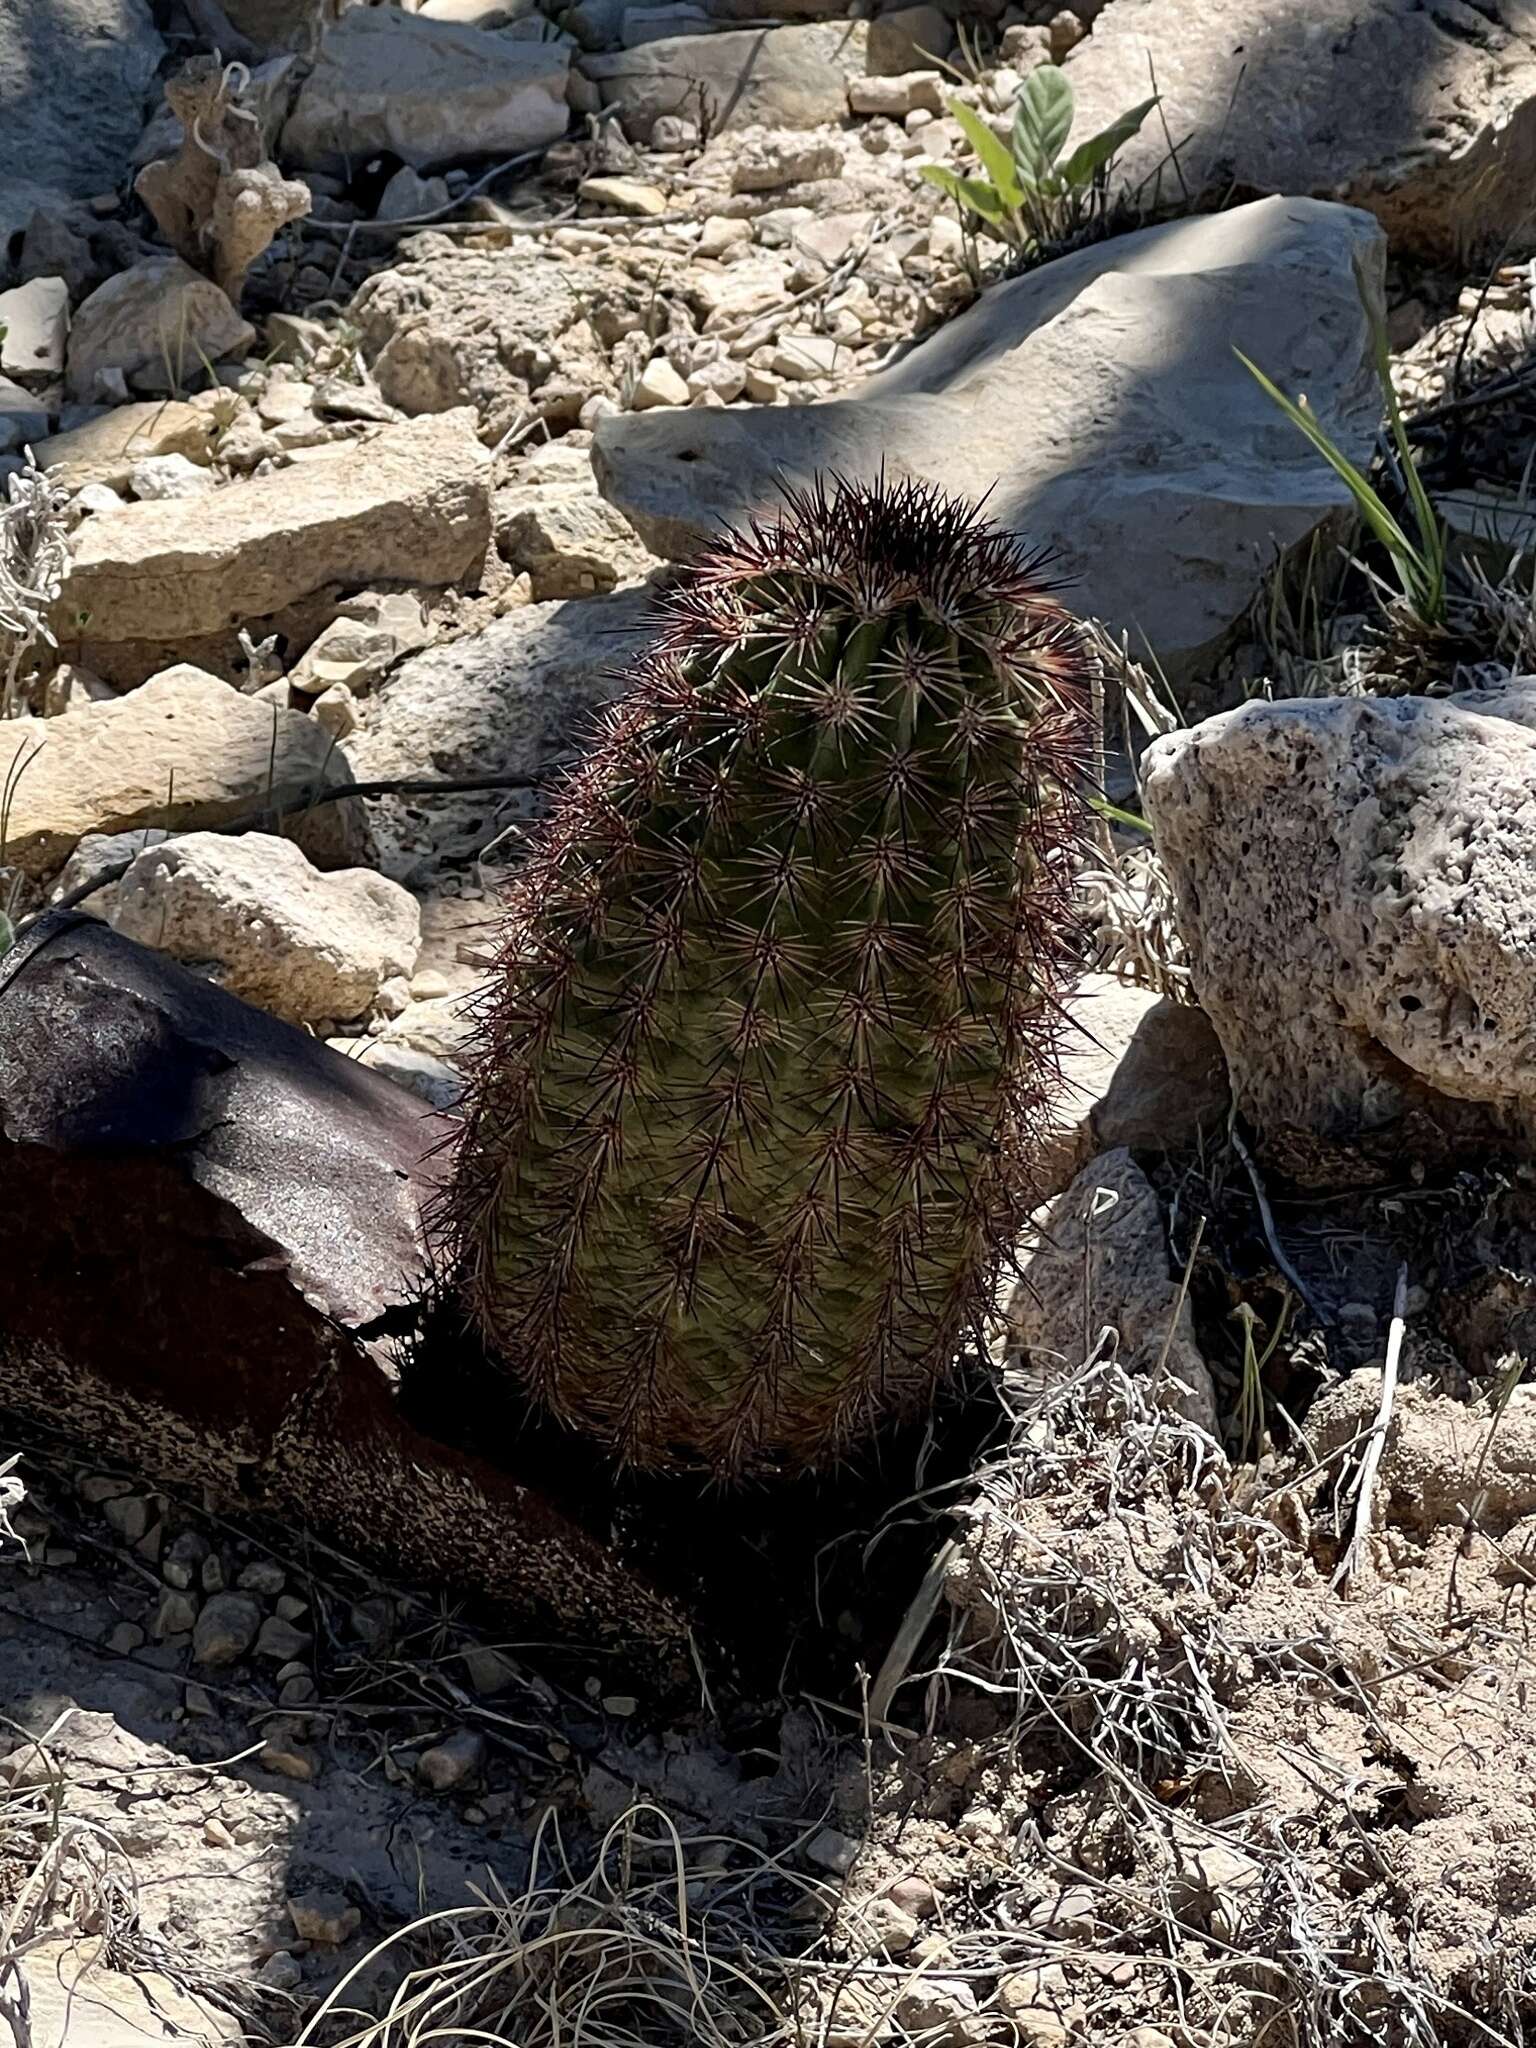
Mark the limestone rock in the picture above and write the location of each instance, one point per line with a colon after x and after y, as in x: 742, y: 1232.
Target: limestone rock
x: 409, y: 504
x: 34, y: 325
x: 793, y: 77
x: 75, y: 1997
x: 508, y: 701
x: 430, y: 92
x: 185, y: 752
x: 1099, y: 1255
x: 358, y: 649
x: 74, y: 79
x: 509, y: 332
x: 552, y: 522
x: 1356, y: 883
x: 1425, y: 115
x: 1151, y: 461
x: 106, y: 450
x: 156, y: 323
x: 276, y: 932
x: 1138, y: 1070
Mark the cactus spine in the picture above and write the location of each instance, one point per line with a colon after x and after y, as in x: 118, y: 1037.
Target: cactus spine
x: 762, y: 1065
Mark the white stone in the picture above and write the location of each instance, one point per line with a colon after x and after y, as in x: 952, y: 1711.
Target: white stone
x: 358, y: 649
x: 1157, y: 466
x: 908, y: 93
x: 168, y: 476
x: 720, y: 233
x: 277, y: 932
x: 659, y: 384
x: 335, y: 709
x: 623, y: 195
x: 34, y: 328
x: 807, y: 355
x: 408, y: 196
x: 791, y: 77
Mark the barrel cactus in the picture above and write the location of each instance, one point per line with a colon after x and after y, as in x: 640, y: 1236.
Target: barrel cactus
x: 762, y: 1066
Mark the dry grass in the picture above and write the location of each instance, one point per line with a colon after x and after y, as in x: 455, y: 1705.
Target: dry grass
x: 33, y: 559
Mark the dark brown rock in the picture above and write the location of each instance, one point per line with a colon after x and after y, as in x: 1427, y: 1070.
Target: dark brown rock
x: 213, y: 1229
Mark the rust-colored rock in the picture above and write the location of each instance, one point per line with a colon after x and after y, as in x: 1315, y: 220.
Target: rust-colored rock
x: 213, y: 1226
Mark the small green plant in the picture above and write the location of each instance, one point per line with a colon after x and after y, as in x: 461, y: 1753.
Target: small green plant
x: 1418, y: 558
x: 1032, y: 195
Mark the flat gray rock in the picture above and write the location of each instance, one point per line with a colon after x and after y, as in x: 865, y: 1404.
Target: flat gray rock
x: 1098, y: 401
x: 1425, y: 114
x: 75, y: 76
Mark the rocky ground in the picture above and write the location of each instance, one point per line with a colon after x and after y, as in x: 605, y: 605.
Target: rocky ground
x: 362, y: 370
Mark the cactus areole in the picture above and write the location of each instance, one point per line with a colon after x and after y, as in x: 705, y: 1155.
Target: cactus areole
x: 763, y: 1062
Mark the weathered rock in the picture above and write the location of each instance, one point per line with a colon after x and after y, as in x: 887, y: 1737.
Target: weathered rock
x: 1138, y: 1070
x: 1425, y: 115
x: 225, y: 1629
x: 34, y: 326
x: 771, y: 159
x: 506, y: 331
x: 75, y: 1997
x: 553, y: 523
x: 1152, y: 462
x: 24, y: 417
x: 74, y: 79
x: 410, y: 504
x: 238, y: 1211
x: 157, y: 324
x: 408, y: 196
x: 106, y: 450
x: 274, y: 930
x: 794, y: 77
x: 159, y: 477
x: 508, y: 701
x: 1099, y: 1256
x: 430, y: 92
x: 325, y: 1917
x: 1356, y: 883
x: 358, y: 649
x: 453, y: 1762
x: 185, y: 752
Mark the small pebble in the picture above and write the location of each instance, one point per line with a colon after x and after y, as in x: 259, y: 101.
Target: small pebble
x: 453, y: 1762
x: 325, y: 1917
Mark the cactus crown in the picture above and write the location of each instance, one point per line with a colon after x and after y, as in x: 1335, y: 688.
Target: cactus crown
x: 761, y: 1069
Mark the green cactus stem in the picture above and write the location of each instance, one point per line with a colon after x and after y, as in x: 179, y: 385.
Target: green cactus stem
x: 763, y: 1065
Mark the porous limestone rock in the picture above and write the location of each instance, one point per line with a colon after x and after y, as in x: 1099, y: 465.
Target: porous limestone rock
x: 429, y: 92
x: 509, y: 332
x: 410, y: 504
x: 273, y: 929
x: 1356, y: 884
x: 184, y: 752
x: 1098, y: 402
x: 1424, y: 114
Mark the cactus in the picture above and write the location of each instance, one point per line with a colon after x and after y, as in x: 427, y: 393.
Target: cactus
x: 760, y: 1075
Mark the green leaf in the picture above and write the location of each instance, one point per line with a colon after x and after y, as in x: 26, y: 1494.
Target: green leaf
x: 992, y: 152
x: 1090, y: 157
x: 1042, y: 121
x: 1421, y: 577
x: 1116, y: 816
x: 972, y: 193
x: 7, y: 933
